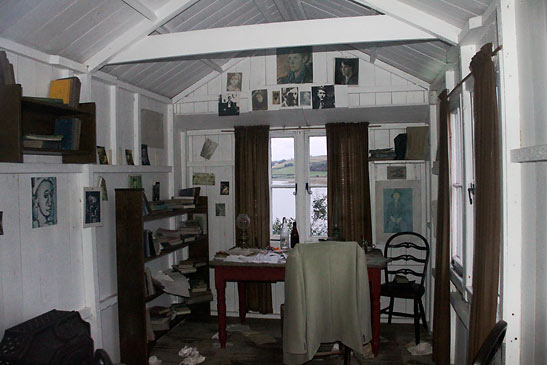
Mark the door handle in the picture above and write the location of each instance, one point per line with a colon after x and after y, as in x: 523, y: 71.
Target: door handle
x: 308, y: 189
x: 471, y: 191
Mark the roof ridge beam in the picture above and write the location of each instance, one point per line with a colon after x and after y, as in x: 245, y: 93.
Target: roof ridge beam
x: 416, y: 18
x: 361, y: 29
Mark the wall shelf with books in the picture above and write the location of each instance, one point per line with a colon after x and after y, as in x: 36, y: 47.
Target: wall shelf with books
x: 30, y: 123
x: 137, y: 287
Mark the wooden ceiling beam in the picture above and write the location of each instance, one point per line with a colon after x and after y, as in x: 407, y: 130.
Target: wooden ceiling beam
x: 142, y: 9
x: 362, y: 29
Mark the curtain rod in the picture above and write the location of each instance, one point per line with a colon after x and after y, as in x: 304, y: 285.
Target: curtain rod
x: 495, y: 53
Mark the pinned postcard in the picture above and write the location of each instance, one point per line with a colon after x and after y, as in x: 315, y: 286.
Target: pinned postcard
x: 209, y: 147
x: 203, y: 178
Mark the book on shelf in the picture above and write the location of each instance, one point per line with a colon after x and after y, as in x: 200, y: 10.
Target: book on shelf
x: 158, y: 206
x: 160, y: 323
x: 190, y: 227
x: 47, y: 100
x: 34, y: 143
x: 148, y: 283
x: 167, y: 242
x: 190, y: 193
x: 67, y: 89
x: 202, y: 297
x: 160, y: 311
x: 70, y: 129
x: 44, y: 137
x: 180, y: 309
x: 165, y: 232
x: 198, y: 286
x: 184, y: 270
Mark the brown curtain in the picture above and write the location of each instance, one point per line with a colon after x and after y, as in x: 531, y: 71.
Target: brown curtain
x: 348, y: 188
x: 487, y: 200
x: 252, y: 197
x: 441, y: 306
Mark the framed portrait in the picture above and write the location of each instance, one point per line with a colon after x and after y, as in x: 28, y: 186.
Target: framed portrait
x: 233, y: 81
x: 260, y: 99
x: 289, y: 97
x: 346, y: 71
x: 92, y: 207
x: 294, y: 65
x: 228, y: 104
x: 398, y: 208
x: 44, y: 201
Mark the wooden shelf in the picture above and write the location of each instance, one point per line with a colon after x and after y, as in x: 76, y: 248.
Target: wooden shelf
x: 173, y: 248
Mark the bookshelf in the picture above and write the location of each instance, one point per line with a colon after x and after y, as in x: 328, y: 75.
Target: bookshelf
x: 25, y: 115
x: 132, y: 299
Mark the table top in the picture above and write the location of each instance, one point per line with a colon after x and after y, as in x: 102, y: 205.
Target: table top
x: 375, y: 259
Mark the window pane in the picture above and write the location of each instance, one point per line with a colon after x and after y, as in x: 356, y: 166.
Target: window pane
x: 283, y: 205
x: 282, y: 150
x: 318, y: 161
x: 318, y: 212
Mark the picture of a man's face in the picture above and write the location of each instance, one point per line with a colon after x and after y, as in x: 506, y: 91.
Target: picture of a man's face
x: 296, y: 62
x: 346, y: 69
x: 321, y: 94
x: 44, y: 201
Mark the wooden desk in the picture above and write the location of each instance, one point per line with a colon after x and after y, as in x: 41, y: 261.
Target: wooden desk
x: 244, y: 272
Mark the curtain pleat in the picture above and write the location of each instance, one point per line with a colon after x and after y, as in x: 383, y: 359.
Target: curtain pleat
x: 252, y: 197
x: 487, y: 201
x: 441, y: 306
x: 348, y: 188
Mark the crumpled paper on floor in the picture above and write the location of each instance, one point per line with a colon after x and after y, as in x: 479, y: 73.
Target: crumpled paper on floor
x: 191, y: 356
x: 423, y: 348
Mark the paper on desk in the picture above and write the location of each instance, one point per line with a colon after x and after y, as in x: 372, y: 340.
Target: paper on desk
x: 260, y: 257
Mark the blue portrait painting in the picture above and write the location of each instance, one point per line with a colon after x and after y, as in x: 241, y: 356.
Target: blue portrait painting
x: 398, y: 210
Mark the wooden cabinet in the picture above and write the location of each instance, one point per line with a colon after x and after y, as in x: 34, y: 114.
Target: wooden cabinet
x: 23, y: 115
x: 132, y: 300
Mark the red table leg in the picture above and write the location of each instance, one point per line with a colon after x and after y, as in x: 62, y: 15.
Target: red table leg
x: 242, y: 300
x: 220, y: 284
x: 375, y: 290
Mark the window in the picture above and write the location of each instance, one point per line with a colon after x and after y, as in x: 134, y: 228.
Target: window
x: 462, y: 185
x: 298, y: 183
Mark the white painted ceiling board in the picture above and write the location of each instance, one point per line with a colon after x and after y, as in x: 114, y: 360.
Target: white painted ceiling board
x: 455, y: 12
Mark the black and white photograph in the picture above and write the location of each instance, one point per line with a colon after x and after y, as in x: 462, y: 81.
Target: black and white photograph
x: 322, y: 97
x: 208, y: 149
x: 144, y: 155
x: 129, y: 157
x: 224, y: 188
x: 220, y: 209
x: 44, y: 201
x: 233, y: 82
x: 228, y: 104
x: 294, y: 65
x: 305, y: 98
x: 289, y: 97
x: 346, y: 71
x: 92, y: 207
x: 101, y: 154
x: 276, y: 98
x: 260, y: 99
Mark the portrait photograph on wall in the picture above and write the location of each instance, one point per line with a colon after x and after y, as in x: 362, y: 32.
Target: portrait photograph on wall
x: 92, y: 207
x: 44, y: 201
x: 276, y: 97
x: 228, y: 104
x: 305, y: 98
x: 294, y: 65
x: 233, y: 82
x: 398, y: 207
x: 260, y: 99
x: 346, y: 71
x: 322, y: 97
x: 289, y: 97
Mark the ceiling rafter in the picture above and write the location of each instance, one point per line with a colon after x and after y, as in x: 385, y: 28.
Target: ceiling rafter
x: 287, y: 17
x: 212, y: 64
x: 142, y: 9
x: 262, y: 9
x: 142, y: 29
x: 416, y: 18
x: 363, y: 29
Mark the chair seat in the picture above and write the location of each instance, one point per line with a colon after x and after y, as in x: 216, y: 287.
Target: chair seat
x: 403, y: 290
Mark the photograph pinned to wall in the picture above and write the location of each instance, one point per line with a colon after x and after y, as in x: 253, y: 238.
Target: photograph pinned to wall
x: 396, y: 172
x: 224, y: 188
x: 144, y: 155
x: 276, y: 97
x: 289, y: 97
x: 228, y: 104
x: 346, y: 71
x: 322, y: 97
x: 1, y: 224
x: 44, y: 201
x: 305, y: 98
x: 101, y: 155
x: 294, y: 65
x: 203, y: 178
x: 220, y: 209
x: 260, y: 99
x: 129, y: 157
x: 92, y: 207
x: 398, y: 207
x: 135, y: 181
x: 102, y: 186
x: 233, y: 81
x: 208, y: 148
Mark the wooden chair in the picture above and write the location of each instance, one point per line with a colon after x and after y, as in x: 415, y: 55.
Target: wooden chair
x: 409, y: 252
x: 492, y: 344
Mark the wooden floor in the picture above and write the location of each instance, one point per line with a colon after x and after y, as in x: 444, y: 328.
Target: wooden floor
x: 259, y: 342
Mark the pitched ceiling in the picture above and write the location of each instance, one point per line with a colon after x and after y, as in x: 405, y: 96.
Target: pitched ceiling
x: 97, y: 32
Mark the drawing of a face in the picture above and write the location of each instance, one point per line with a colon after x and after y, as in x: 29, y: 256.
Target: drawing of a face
x: 44, y: 197
x: 44, y: 201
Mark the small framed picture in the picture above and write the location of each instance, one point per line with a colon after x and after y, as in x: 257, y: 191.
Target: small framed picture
x: 224, y: 188
x: 92, y: 207
x: 101, y: 153
x: 144, y: 155
x: 129, y: 157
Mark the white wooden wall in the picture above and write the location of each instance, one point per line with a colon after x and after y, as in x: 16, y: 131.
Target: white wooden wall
x: 65, y: 266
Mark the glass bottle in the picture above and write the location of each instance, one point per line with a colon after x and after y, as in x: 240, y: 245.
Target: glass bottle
x: 295, y: 237
x: 284, y: 235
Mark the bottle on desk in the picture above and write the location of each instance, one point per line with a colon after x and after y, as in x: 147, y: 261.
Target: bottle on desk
x: 295, y: 237
x: 284, y: 236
